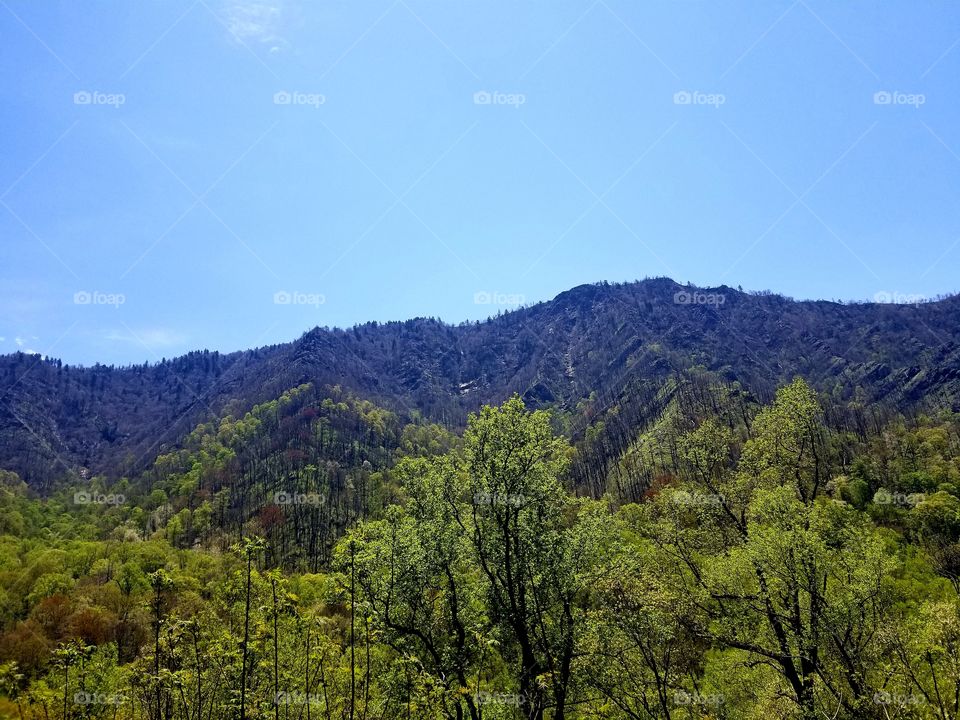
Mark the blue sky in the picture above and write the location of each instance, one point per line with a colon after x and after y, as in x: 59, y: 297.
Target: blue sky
x: 229, y: 173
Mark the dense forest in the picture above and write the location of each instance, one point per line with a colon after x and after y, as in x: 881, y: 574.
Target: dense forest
x: 606, y: 352
x: 322, y: 556
x: 611, y: 505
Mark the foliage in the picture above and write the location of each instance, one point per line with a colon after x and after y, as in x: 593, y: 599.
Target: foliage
x: 775, y: 566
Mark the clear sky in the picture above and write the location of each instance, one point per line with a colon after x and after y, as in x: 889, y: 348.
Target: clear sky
x: 229, y: 173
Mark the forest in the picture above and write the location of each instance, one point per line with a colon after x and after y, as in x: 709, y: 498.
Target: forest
x: 321, y: 557
x: 602, y: 349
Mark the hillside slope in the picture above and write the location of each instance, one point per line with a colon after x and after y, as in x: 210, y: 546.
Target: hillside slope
x: 592, y: 343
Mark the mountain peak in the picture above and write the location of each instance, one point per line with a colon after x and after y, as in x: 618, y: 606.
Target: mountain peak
x: 594, y: 340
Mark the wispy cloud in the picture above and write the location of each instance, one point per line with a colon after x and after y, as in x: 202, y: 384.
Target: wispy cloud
x: 254, y: 20
x: 22, y: 345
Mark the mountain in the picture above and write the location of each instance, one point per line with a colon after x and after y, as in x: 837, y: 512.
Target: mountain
x: 585, y: 350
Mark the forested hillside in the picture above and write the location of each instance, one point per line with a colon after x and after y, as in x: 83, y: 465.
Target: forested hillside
x: 773, y: 566
x: 623, y: 503
x: 590, y: 349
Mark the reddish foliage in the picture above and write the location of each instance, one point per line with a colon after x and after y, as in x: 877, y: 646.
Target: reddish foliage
x: 27, y: 645
x: 52, y: 614
x: 295, y: 456
x: 93, y: 625
x: 660, y: 482
x: 270, y: 517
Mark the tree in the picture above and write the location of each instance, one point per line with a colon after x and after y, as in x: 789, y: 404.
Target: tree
x: 249, y: 550
x: 413, y: 569
x: 647, y: 638
x: 11, y: 683
x: 160, y: 582
x: 796, y: 581
x: 510, y: 504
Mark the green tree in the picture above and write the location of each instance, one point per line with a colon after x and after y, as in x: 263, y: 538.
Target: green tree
x: 512, y: 507
x: 791, y: 579
x: 249, y: 550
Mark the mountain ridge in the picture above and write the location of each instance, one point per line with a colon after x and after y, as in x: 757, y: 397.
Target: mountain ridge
x: 590, y: 344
